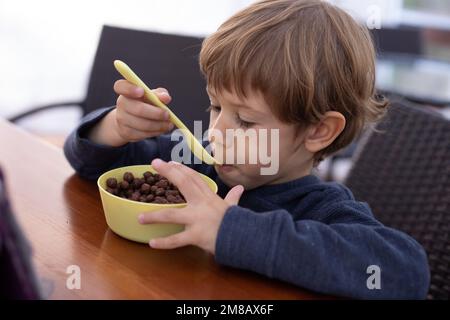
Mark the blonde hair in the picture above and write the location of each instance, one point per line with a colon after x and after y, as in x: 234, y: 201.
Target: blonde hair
x: 307, y: 57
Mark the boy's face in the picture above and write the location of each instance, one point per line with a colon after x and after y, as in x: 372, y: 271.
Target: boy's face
x: 258, y: 140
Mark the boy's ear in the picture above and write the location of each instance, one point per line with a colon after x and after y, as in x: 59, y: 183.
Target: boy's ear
x: 323, y: 134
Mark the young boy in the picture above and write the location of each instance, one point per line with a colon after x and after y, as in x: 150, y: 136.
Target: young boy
x: 306, y: 69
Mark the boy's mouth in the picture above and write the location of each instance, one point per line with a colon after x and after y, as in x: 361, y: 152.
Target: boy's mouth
x: 225, y: 168
x: 213, y: 153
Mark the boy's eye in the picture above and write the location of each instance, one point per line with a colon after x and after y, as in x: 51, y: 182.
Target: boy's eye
x: 213, y: 108
x: 243, y: 123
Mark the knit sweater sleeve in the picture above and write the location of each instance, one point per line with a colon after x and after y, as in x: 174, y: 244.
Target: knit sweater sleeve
x: 90, y: 160
x: 331, y: 257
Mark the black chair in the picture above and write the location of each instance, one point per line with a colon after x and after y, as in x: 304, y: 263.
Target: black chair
x: 161, y: 60
x: 402, y: 170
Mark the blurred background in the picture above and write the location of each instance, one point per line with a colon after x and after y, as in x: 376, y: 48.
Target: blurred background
x: 48, y: 48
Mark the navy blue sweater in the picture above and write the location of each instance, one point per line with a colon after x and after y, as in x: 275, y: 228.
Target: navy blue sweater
x: 306, y: 232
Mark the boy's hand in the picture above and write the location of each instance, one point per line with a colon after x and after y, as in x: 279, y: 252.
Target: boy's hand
x: 134, y: 119
x: 203, y: 214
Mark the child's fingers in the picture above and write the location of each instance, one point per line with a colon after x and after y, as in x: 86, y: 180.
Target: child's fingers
x: 163, y: 95
x: 126, y: 88
x: 177, y: 216
x: 177, y: 177
x: 143, y: 124
x: 191, y: 173
x: 234, y: 195
x: 142, y: 110
x: 134, y: 135
x: 178, y: 240
x: 185, y: 180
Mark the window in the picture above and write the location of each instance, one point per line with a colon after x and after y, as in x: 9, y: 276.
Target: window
x: 423, y: 13
x: 439, y: 7
x: 426, y: 13
x: 431, y: 16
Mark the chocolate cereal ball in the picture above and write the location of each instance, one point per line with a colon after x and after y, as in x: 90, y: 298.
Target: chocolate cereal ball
x: 150, y: 188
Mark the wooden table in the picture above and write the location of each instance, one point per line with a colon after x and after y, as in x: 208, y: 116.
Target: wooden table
x: 63, y: 219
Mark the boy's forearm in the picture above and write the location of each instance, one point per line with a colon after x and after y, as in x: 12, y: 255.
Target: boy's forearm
x: 90, y: 158
x: 106, y: 133
x: 331, y: 259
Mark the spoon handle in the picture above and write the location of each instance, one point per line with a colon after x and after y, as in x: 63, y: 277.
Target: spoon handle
x: 193, y: 144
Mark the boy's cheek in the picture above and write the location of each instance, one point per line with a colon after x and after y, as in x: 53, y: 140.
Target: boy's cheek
x: 241, y: 156
x: 243, y: 150
x: 246, y: 175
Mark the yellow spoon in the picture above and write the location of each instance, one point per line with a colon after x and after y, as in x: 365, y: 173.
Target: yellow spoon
x: 193, y: 144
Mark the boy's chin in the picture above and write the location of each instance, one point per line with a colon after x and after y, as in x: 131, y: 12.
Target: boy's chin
x: 229, y: 176
x: 232, y: 178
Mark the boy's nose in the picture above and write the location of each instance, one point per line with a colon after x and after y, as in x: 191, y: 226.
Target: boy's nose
x: 217, y: 131
x: 218, y: 139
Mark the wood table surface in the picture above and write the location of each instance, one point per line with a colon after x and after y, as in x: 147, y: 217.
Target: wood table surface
x: 62, y: 218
